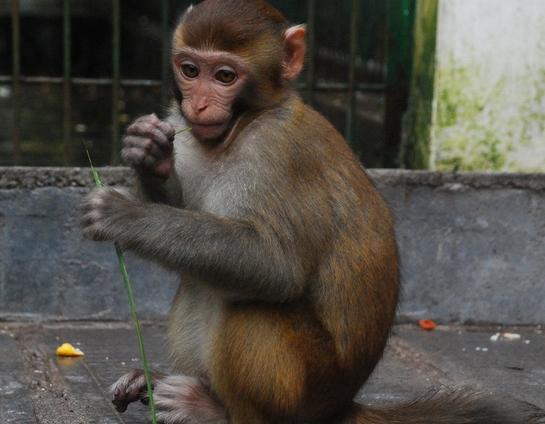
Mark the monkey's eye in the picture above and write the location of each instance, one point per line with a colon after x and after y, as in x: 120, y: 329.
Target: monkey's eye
x: 226, y: 75
x: 190, y: 70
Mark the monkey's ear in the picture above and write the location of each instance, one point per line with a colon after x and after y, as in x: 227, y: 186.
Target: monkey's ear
x: 294, y: 47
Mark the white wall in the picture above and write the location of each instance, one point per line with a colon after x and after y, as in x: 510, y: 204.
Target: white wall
x: 489, y: 107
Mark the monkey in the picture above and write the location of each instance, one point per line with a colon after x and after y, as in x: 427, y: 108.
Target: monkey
x: 287, y: 256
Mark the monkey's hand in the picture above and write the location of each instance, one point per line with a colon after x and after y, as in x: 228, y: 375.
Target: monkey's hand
x: 131, y: 388
x: 105, y: 213
x: 147, y: 146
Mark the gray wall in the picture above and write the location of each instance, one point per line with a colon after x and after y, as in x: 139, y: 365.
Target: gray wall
x: 472, y: 248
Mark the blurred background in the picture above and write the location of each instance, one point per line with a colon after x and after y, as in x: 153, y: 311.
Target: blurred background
x: 428, y: 84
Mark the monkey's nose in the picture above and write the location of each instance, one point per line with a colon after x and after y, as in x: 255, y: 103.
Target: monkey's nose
x: 200, y: 107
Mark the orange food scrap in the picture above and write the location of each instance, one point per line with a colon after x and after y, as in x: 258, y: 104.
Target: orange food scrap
x: 66, y: 349
x: 427, y: 324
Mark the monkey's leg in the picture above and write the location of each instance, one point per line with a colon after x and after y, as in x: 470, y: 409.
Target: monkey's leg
x: 273, y: 365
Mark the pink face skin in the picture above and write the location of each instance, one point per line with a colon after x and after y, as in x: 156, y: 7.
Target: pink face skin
x: 210, y: 82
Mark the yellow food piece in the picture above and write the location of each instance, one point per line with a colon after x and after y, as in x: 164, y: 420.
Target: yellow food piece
x: 66, y: 349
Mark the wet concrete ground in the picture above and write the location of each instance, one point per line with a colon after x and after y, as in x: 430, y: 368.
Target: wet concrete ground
x: 38, y: 387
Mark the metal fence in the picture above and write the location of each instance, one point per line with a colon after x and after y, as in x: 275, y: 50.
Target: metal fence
x: 309, y: 84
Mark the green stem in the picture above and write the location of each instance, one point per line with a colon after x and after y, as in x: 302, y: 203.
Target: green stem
x: 132, y: 307
x: 138, y: 328
x: 182, y: 130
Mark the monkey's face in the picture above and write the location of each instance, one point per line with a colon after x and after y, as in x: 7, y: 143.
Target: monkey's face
x: 210, y: 83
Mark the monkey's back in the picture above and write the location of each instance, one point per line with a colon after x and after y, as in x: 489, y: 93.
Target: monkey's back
x: 341, y: 225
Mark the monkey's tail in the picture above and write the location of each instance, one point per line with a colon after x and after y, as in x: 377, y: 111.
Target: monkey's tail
x: 451, y: 407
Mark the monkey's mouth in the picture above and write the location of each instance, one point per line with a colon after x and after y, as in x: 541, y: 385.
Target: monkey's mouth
x: 208, y: 131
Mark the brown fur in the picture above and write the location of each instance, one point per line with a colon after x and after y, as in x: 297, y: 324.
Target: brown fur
x: 251, y: 29
x: 289, y: 264
x: 305, y: 361
x: 447, y: 406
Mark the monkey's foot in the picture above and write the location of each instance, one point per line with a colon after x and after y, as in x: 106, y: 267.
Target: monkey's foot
x: 186, y: 400
x: 130, y: 388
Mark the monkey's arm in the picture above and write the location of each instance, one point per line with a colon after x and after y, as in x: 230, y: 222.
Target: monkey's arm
x: 158, y: 190
x: 242, y: 257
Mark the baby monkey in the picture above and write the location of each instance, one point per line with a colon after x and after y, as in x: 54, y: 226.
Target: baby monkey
x: 286, y: 252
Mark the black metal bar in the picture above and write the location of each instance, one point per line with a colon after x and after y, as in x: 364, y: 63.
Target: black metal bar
x: 82, y: 81
x: 122, y: 83
x: 311, y: 40
x: 319, y: 86
x: 341, y: 86
x: 67, y: 92
x: 400, y: 24
x: 23, y: 79
x: 165, y: 31
x: 16, y: 83
x: 116, y: 78
x: 352, y: 72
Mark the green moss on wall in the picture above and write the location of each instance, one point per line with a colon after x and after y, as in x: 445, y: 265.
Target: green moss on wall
x: 483, y: 126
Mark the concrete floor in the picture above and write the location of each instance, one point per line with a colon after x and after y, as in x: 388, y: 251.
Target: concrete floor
x: 38, y: 387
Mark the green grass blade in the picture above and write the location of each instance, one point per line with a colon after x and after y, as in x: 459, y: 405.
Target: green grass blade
x: 138, y: 328
x: 132, y: 308
x: 94, y: 173
x: 182, y: 130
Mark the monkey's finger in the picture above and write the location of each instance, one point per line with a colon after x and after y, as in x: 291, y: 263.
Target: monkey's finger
x: 90, y: 218
x: 137, y: 386
x: 94, y: 232
x: 164, y: 126
x: 137, y: 157
x: 150, y: 130
x: 96, y: 199
x: 145, y: 117
x: 100, y: 199
x: 167, y: 129
x: 120, y: 405
x: 151, y: 117
x: 145, y: 144
x: 89, y: 210
x: 123, y: 397
x: 120, y: 386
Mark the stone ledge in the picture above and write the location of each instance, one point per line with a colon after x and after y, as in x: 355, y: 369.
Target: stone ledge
x: 471, y: 247
x: 37, y: 177
x: 454, y: 181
